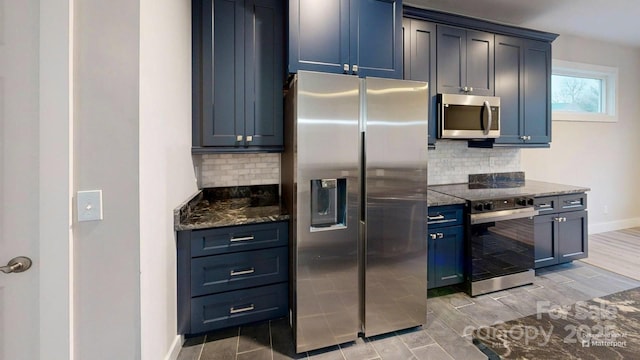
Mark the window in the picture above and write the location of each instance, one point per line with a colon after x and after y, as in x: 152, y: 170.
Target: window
x: 583, y: 92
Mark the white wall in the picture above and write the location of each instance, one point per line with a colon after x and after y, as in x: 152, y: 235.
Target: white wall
x: 602, y: 156
x: 106, y: 156
x: 166, y: 170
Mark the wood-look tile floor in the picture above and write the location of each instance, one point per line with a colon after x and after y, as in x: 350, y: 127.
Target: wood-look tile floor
x: 450, y: 320
x: 617, y: 251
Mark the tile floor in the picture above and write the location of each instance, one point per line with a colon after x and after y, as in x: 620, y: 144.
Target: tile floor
x: 451, y: 316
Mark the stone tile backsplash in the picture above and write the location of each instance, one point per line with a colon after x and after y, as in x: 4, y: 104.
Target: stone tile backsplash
x: 452, y: 162
x: 237, y: 169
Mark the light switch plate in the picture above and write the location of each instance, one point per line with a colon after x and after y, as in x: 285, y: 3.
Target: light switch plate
x: 89, y: 205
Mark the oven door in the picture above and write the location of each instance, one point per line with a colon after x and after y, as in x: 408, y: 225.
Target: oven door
x: 501, y: 249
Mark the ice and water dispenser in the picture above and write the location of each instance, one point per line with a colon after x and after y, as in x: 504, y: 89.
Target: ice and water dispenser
x: 328, y: 203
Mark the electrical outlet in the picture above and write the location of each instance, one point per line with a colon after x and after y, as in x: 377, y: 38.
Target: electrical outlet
x: 89, y: 205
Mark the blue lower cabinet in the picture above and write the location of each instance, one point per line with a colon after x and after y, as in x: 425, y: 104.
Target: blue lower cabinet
x: 232, y: 276
x: 238, y: 307
x: 446, y: 256
x: 445, y: 246
x: 213, y: 274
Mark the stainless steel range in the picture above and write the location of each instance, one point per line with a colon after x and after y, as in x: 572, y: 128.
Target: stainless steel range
x: 500, y: 242
x: 500, y: 238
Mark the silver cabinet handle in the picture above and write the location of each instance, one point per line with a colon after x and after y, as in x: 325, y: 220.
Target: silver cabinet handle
x: 345, y: 68
x: 433, y: 236
x: 17, y: 265
x: 249, y: 138
x: 490, y: 115
x: 542, y: 206
x: 239, y: 138
x: 244, y: 238
x: 575, y: 202
x: 470, y: 89
x: 440, y: 235
x: 465, y: 89
x: 354, y: 68
x: 437, y: 217
x: 242, y: 272
x: 240, y: 310
x: 560, y: 219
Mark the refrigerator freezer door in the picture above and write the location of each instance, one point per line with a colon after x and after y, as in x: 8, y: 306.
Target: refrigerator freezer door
x: 326, y: 305
x: 395, y: 266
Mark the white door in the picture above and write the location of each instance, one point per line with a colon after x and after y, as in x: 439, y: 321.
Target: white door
x: 25, y: 319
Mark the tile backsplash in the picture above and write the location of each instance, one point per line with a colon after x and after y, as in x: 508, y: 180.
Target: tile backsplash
x: 237, y: 169
x: 452, y: 162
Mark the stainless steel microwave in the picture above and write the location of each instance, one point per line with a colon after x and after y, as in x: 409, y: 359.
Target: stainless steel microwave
x: 468, y: 116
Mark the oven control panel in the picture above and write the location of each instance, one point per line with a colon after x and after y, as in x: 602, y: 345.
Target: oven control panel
x: 501, y: 204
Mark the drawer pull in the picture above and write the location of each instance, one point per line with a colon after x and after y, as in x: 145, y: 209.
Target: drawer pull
x: 243, y: 238
x: 433, y: 218
x: 574, y: 202
x: 242, y: 272
x: 433, y: 236
x: 241, y: 310
x: 544, y: 206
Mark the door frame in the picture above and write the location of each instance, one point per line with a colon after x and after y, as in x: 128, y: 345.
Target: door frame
x: 56, y: 179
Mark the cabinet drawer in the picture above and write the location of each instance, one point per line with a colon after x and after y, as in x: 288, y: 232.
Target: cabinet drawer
x: 238, y: 307
x: 239, y: 238
x: 572, y: 202
x: 546, y: 204
x: 439, y: 216
x: 213, y: 274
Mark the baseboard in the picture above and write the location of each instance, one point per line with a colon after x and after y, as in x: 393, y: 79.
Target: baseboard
x: 613, y: 225
x: 175, y: 348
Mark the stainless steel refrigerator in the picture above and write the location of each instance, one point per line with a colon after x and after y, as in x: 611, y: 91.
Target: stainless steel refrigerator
x: 354, y: 177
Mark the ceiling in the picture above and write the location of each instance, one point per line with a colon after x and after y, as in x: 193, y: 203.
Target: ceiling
x: 609, y: 20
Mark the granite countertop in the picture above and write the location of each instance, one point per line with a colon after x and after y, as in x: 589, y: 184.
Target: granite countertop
x: 228, y: 206
x: 435, y: 198
x: 526, y: 188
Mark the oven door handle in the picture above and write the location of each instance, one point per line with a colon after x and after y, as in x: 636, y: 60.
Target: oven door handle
x: 502, y: 215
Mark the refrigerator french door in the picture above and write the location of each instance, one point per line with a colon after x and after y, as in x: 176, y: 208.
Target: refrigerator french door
x: 354, y: 180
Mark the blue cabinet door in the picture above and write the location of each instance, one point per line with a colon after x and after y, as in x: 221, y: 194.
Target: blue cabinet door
x: 465, y: 61
x: 445, y: 256
x: 452, y: 57
x: 509, y: 86
x: 546, y: 240
x: 419, y: 39
x: 264, y: 73
x: 537, y: 91
x: 319, y: 35
x: 376, y: 38
x: 522, y: 81
x: 222, y: 81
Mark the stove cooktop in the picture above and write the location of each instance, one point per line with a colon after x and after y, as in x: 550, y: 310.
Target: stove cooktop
x: 477, y: 192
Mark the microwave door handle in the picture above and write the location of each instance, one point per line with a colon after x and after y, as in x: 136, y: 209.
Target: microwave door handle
x: 489, y: 116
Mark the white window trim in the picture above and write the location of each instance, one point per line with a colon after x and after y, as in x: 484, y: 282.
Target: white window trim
x: 610, y: 89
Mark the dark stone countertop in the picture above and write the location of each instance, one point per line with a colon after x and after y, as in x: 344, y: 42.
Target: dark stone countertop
x: 601, y: 328
x: 228, y: 206
x: 439, y: 199
x: 527, y: 188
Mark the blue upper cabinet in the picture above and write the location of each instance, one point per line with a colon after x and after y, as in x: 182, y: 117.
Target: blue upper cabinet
x: 523, y: 83
x: 359, y: 37
x: 465, y: 61
x: 238, y: 74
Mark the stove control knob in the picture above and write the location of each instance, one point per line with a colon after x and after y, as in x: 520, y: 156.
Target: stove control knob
x: 530, y: 201
x: 522, y: 202
x: 479, y: 207
x: 488, y: 206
